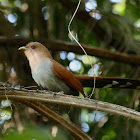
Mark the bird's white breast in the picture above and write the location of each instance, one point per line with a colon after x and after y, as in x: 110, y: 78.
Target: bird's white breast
x: 44, y: 76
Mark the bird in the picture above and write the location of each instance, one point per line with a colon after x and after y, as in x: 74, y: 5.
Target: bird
x: 53, y: 76
x: 48, y: 73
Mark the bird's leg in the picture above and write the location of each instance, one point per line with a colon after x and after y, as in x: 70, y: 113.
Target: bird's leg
x: 48, y: 91
x: 41, y: 90
x: 53, y: 94
x: 59, y: 93
x: 37, y: 90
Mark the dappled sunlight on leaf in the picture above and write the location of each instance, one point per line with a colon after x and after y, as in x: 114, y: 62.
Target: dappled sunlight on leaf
x: 89, y: 60
x: 119, y: 8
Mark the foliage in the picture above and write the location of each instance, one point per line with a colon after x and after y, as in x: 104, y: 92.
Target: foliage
x: 34, y: 133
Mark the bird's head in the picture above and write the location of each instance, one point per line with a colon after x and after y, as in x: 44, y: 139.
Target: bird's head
x: 35, y: 49
x: 36, y: 53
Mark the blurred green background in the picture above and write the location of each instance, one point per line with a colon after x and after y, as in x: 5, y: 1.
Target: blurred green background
x: 107, y: 24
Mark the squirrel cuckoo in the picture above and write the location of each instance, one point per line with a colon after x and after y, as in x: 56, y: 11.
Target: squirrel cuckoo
x: 53, y: 76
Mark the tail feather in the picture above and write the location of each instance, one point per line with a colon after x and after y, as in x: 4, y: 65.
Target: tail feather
x: 109, y: 82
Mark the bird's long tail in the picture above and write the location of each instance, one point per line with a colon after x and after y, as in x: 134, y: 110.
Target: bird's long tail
x: 109, y: 82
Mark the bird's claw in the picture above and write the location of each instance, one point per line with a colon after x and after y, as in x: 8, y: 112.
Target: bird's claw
x: 37, y: 90
x: 60, y: 93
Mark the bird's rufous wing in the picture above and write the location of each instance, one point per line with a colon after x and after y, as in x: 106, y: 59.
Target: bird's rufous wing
x: 67, y: 77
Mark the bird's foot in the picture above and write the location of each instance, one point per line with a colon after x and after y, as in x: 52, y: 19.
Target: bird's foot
x: 37, y: 90
x: 45, y: 91
x: 40, y: 91
x: 59, y: 93
x: 53, y: 94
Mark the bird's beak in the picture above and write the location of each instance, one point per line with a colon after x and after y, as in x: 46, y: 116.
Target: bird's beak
x: 23, y: 48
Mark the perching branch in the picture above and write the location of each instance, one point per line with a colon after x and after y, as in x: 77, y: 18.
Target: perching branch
x: 43, y: 110
x: 70, y: 101
x: 70, y: 47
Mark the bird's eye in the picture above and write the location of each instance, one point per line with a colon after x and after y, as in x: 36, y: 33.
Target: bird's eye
x: 33, y: 47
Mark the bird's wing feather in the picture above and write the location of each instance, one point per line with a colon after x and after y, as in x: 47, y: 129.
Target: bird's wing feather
x: 67, y: 76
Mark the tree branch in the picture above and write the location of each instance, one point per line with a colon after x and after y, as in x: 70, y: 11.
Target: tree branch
x: 20, y: 96
x: 98, y: 26
x: 70, y: 47
x: 84, y: 17
x: 70, y: 101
